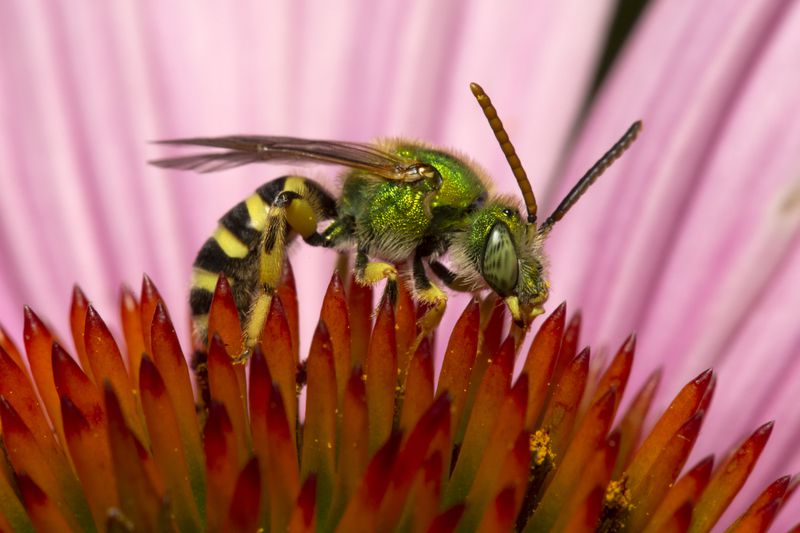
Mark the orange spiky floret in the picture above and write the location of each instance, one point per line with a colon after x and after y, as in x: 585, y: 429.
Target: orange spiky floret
x: 123, y: 440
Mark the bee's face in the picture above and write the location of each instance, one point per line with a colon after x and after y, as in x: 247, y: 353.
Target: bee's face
x: 499, y: 249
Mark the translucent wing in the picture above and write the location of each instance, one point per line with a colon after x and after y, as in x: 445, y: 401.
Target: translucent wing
x: 245, y: 149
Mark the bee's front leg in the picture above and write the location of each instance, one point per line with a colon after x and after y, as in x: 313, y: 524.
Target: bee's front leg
x: 452, y: 280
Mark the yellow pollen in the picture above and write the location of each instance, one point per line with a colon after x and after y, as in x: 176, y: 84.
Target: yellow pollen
x: 539, y: 444
x: 618, y: 495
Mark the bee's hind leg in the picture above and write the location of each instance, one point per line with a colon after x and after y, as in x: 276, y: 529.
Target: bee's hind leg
x: 290, y: 209
x: 271, y: 256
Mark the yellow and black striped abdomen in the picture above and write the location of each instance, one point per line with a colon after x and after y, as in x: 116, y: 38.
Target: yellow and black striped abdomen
x: 230, y: 250
x: 235, y: 247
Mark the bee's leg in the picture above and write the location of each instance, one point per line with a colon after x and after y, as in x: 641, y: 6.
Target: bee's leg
x: 271, y: 255
x: 430, y: 294
x: 339, y: 231
x: 289, y: 209
x: 370, y: 273
x: 449, y: 278
x: 301, y: 215
x: 427, y: 293
x: 305, y: 204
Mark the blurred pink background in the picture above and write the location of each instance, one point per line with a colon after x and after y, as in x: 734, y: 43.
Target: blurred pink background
x: 690, y: 240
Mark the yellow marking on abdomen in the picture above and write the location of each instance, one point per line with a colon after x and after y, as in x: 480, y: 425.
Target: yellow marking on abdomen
x: 203, y: 279
x: 229, y: 243
x: 257, y: 209
x: 295, y: 184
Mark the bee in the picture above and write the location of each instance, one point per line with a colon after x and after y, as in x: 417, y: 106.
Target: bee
x: 401, y: 203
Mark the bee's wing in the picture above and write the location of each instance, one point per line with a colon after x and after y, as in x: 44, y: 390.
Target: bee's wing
x: 246, y: 149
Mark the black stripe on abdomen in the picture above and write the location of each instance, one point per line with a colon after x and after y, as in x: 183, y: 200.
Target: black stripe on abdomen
x: 270, y: 190
x: 212, y: 258
x: 238, y: 222
x: 200, y: 301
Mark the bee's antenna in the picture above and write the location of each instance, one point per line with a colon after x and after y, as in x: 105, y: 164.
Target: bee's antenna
x: 591, y: 176
x: 508, y: 149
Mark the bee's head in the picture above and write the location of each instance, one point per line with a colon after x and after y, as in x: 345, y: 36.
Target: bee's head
x: 510, y: 258
x: 498, y: 250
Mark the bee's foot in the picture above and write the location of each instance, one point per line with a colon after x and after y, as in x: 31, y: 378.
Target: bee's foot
x: 375, y: 272
x: 437, y: 300
x: 302, y: 376
x: 430, y: 320
x: 426, y: 324
x: 390, y: 293
x: 243, y: 356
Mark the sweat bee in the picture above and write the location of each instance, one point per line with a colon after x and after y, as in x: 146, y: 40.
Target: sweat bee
x: 401, y: 203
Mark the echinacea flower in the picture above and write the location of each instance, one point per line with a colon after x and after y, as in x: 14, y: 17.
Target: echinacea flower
x: 691, y: 240
x: 695, y: 246
x: 382, y: 444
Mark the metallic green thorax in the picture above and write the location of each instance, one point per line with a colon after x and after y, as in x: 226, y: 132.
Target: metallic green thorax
x: 392, y: 218
x: 461, y: 187
x: 386, y: 208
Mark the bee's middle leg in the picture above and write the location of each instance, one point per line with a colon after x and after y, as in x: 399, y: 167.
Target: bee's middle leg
x: 426, y: 292
x: 370, y: 273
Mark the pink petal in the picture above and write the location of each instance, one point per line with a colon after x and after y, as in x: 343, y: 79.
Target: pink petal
x: 86, y: 87
x: 692, y: 238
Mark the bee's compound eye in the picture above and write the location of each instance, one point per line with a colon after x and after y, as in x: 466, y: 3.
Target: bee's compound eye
x: 508, y: 212
x: 500, y: 266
